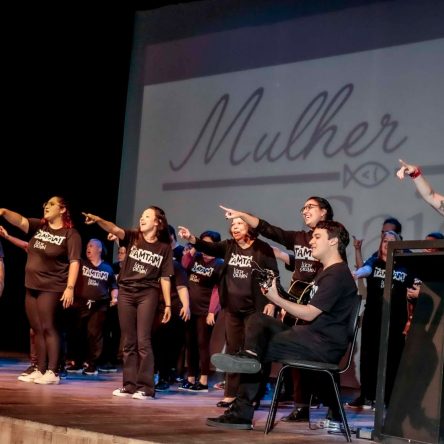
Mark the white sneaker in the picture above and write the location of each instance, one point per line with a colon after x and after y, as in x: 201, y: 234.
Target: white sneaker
x: 31, y: 377
x: 122, y: 393
x: 48, y: 378
x: 142, y: 395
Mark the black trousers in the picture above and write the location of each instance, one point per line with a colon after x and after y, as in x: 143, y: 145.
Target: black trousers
x: 85, y: 332
x: 273, y: 341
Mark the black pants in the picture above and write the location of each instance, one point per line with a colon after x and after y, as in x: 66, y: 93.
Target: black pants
x: 197, y: 335
x: 235, y: 325
x: 111, y: 337
x: 41, y: 308
x: 168, y: 340
x: 85, y: 334
x: 136, y: 316
x: 273, y: 341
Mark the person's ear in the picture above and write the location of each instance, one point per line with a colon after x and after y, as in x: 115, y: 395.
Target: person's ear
x: 333, y: 241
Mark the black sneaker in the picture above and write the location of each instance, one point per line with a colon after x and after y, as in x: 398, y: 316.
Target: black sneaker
x: 63, y: 374
x: 198, y: 387
x: 230, y: 421
x: 333, y: 415
x: 361, y: 403
x: 239, y: 363
x: 90, y: 370
x: 186, y: 386
x: 107, y: 368
x: 74, y: 368
x: 162, y: 386
x: 299, y: 414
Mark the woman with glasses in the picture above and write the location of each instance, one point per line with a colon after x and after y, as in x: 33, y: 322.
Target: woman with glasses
x: 304, y: 267
x: 51, y: 271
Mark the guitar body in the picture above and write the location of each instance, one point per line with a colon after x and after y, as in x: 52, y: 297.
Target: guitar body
x: 299, y: 293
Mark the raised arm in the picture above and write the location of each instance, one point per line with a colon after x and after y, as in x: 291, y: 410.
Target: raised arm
x: 14, y: 240
x: 15, y: 219
x: 106, y: 225
x: 2, y: 276
x: 357, y: 244
x: 250, y: 219
x: 433, y: 198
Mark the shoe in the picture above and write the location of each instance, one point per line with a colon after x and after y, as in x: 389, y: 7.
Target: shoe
x: 230, y: 421
x: 73, y: 368
x: 31, y: 377
x: 186, y: 386
x: 219, y: 385
x: 63, y: 374
x: 90, y: 370
x: 239, y: 363
x: 122, y: 393
x: 48, y: 378
x: 143, y: 396
x: 107, y: 368
x: 162, y: 386
x: 361, y: 403
x: 29, y: 370
x: 315, y: 402
x: 180, y: 379
x: 299, y: 414
x: 198, y: 387
x: 225, y: 404
x: 333, y: 426
x: 333, y: 415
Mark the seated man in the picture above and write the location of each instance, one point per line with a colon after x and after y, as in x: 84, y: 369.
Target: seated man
x: 323, y: 337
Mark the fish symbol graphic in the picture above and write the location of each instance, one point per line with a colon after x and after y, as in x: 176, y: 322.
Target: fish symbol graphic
x: 369, y: 175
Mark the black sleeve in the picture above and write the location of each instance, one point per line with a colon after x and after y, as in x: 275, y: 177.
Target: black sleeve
x: 215, y: 249
x: 283, y: 237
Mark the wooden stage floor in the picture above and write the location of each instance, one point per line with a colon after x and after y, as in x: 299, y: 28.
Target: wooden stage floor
x: 82, y: 410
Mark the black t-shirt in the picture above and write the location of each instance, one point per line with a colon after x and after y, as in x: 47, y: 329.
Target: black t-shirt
x: 401, y: 280
x: 238, y: 279
x: 203, y: 276
x: 2, y: 255
x: 304, y: 266
x: 178, y: 252
x: 333, y: 292
x: 95, y: 283
x: 144, y: 264
x: 49, y: 255
x: 178, y: 279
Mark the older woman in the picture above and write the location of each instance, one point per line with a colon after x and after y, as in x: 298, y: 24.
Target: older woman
x: 239, y: 292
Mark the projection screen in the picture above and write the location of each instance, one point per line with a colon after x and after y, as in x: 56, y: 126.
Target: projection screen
x: 257, y: 108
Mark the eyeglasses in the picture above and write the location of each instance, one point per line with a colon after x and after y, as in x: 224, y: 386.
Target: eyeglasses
x: 308, y: 207
x: 51, y: 204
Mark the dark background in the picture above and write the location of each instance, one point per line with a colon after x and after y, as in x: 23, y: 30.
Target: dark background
x: 65, y: 74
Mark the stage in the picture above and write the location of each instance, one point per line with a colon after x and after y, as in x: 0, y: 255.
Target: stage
x: 82, y: 410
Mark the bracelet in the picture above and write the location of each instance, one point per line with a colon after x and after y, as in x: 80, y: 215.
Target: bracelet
x: 70, y: 287
x: 167, y: 306
x: 415, y: 173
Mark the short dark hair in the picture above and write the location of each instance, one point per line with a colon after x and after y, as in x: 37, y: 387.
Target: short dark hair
x: 213, y: 235
x: 172, y: 232
x: 336, y: 229
x: 436, y: 235
x: 395, y: 222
